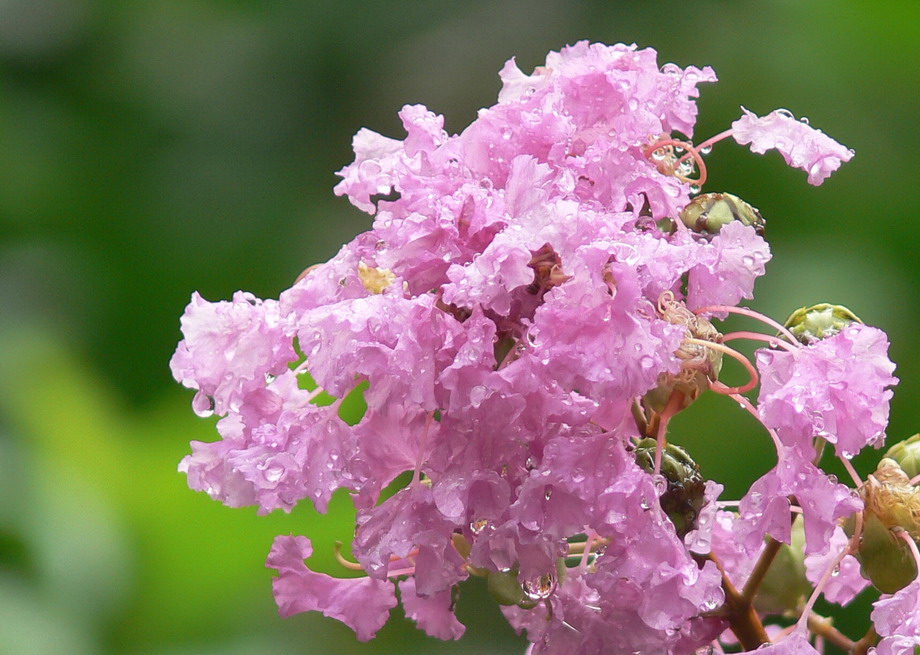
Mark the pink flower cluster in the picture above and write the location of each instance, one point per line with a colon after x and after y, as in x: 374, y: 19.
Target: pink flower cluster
x: 504, y: 318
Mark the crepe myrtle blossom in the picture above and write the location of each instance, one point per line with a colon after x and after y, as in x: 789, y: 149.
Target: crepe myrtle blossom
x: 534, y: 302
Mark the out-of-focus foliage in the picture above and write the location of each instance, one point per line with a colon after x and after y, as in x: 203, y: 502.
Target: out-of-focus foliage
x: 151, y: 149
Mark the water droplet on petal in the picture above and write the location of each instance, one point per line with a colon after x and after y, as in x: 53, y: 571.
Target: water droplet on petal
x: 203, y: 405
x: 540, y: 588
x: 477, y: 526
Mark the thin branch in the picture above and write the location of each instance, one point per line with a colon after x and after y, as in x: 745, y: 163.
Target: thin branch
x: 824, y: 627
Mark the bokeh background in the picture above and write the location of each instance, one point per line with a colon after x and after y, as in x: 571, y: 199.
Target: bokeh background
x: 149, y: 149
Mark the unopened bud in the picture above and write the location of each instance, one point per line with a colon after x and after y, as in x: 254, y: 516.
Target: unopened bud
x: 505, y: 587
x: 907, y: 454
x: 785, y: 587
x: 892, y: 506
x: 811, y: 324
x: 685, y: 495
x: 710, y: 212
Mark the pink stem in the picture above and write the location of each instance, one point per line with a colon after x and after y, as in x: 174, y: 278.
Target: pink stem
x: 713, y: 140
x: 828, y: 572
x: 852, y: 546
x: 587, y: 553
x: 673, y: 406
x: 731, y: 352
x: 692, y: 151
x: 905, y: 535
x: 744, y: 402
x: 757, y: 336
x: 744, y: 311
x: 852, y: 471
x: 417, y: 474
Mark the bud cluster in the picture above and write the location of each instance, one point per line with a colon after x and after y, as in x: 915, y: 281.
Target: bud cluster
x: 532, y: 305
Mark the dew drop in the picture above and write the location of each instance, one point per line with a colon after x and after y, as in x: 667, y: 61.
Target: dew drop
x: 380, y: 246
x: 548, y: 493
x: 836, y: 571
x: 805, y: 120
x: 203, y: 405
x: 785, y: 113
x: 530, y: 463
x: 540, y: 588
x: 705, y: 150
x: 477, y: 526
x: 273, y: 473
x: 694, y: 188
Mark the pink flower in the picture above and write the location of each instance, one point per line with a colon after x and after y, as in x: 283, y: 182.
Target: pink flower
x: 836, y: 388
x: 801, y: 145
x: 363, y: 604
x: 897, y: 620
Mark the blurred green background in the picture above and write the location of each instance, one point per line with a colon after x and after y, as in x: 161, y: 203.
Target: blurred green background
x: 149, y: 149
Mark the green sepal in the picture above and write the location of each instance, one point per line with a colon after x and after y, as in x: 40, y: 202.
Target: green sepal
x: 811, y: 324
x: 685, y: 495
x: 907, y: 454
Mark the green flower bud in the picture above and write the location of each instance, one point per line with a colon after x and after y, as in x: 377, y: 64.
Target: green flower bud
x: 685, y: 495
x: 892, y: 505
x: 505, y: 587
x: 785, y: 587
x: 811, y: 324
x: 907, y: 454
x: 709, y: 212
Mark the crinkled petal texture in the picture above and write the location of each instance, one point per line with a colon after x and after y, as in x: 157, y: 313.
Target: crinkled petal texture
x: 837, y: 388
x: 847, y: 581
x: 229, y: 348
x: 736, y: 257
x: 801, y: 145
x: 500, y: 320
x: 433, y: 614
x: 363, y: 604
x: 897, y: 621
x: 766, y: 510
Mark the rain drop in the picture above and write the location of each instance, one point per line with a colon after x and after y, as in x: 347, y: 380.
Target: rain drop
x: 203, y: 405
x: 477, y: 526
x: 540, y: 588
